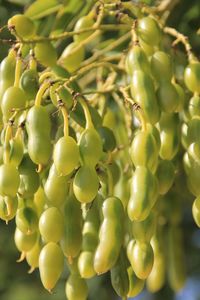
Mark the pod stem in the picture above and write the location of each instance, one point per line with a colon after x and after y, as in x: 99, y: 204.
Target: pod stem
x: 45, y: 75
x: 81, y: 99
x: 40, y: 93
x: 18, y: 68
x: 65, y: 116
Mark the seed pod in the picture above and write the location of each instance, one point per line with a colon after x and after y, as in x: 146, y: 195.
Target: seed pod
x: 76, y: 288
x: 9, y: 184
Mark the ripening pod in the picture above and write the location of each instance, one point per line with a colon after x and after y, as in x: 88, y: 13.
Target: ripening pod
x: 32, y: 256
x: 136, y: 59
x: 72, y: 61
x: 8, y: 207
x: 82, y: 23
x: 86, y: 184
x: 167, y: 97
x: 51, y: 225
x: 196, y: 211
x: 90, y: 147
x: 66, y: 155
x: 51, y: 263
x: 144, y: 192
x: 7, y: 70
x: 194, y: 106
x: 76, y: 288
x: 46, y: 54
x: 29, y: 83
x: 86, y: 264
x: 161, y: 66
x: 24, y: 242
x: 136, y: 285
x: 149, y: 31
x: 13, y: 98
x: 27, y: 220
x: 9, y: 180
x: 192, y: 77
x: 144, y: 230
x: 141, y: 258
x: 39, y: 201
x: 144, y: 151
x: 22, y: 25
x: 165, y: 174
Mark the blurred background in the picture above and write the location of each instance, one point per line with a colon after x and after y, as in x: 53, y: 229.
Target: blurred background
x: 16, y: 284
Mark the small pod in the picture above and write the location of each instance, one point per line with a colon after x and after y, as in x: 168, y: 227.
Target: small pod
x: 136, y: 285
x: 27, y: 220
x: 76, y: 288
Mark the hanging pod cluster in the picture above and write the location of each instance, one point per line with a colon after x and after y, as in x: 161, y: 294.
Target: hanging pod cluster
x: 94, y: 123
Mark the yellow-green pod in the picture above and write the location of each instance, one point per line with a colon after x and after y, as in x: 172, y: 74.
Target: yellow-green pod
x: 196, y: 211
x: 16, y: 150
x: 56, y: 187
x: 165, y: 174
x: 192, y: 77
x: 51, y: 225
x: 154, y: 130
x: 192, y: 169
x: 22, y: 25
x: 72, y: 238
x: 175, y: 264
x: 181, y: 97
x: 144, y: 150
x: 72, y: 61
x: 24, y: 242
x: 141, y: 258
x: 142, y: 90
x: 144, y: 230
x: 76, y: 288
x: 51, y: 263
x: 149, y: 31
x: 29, y: 82
x: 161, y: 66
x: 86, y: 184
x: 9, y: 180
x: 136, y: 59
x: 39, y: 200
x: 32, y: 256
x: 136, y: 285
x: 184, y: 136
x: 194, y: 106
x: 167, y: 97
x: 122, y: 189
x: 110, y: 235
x: 38, y: 128
x: 41, y: 50
x: 66, y: 155
x: 8, y: 208
x: 193, y: 131
x: 27, y: 220
x: 7, y: 70
x: 144, y: 191
x: 82, y: 23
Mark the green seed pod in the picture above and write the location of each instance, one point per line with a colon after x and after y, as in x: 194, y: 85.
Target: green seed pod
x: 181, y: 97
x: 23, y: 26
x: 193, y: 131
x: 149, y: 31
x: 192, y: 77
x: 72, y: 238
x: 161, y: 66
x: 13, y: 98
x: 39, y: 201
x: 72, y: 61
x: 108, y: 138
x: 110, y: 235
x: 9, y: 184
x: 16, y: 150
x: 141, y: 258
x: 76, y: 288
x: 29, y: 83
x: 90, y: 146
x: 167, y: 97
x: 82, y: 23
x: 24, y: 242
x: 136, y: 59
x: 51, y: 263
x: 85, y: 184
x: 56, y: 187
x: 8, y: 208
x: 41, y: 50
x: 38, y: 127
x: 27, y: 220
x: 165, y: 174
x: 66, y: 155
x: 154, y: 130
x: 194, y: 106
x: 144, y: 230
x: 32, y: 256
x: 144, y: 150
x: 136, y: 285
x: 51, y: 225
x: 7, y: 69
x: 144, y: 190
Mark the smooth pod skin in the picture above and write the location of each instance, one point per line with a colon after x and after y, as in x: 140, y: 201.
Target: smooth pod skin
x: 167, y: 97
x: 23, y: 26
x: 165, y: 174
x: 194, y: 106
x: 41, y: 50
x: 39, y: 200
x: 111, y: 230
x: 16, y: 150
x: 72, y: 238
x: 176, y: 267
x: 143, y: 92
x: 29, y: 83
x: 144, y: 230
x: 82, y: 23
x: 136, y: 285
x: 51, y: 225
x: 66, y: 155
x: 7, y: 68
x: 72, y: 61
x: 27, y: 220
x: 9, y: 180
x: 143, y: 194
x: 76, y: 288
x: 8, y: 208
x: 169, y: 135
x: 51, y: 263
x: 141, y: 258
x: 193, y: 131
x: 192, y: 77
x: 144, y: 150
x: 90, y: 146
x: 56, y: 187
x: 136, y: 59
x: 181, y: 97
x: 119, y: 275
x: 149, y: 31
x: 85, y: 184
x: 13, y: 98
x: 24, y: 242
x: 161, y: 66
x: 38, y: 128
x: 32, y: 256
x: 108, y: 138
x: 196, y: 211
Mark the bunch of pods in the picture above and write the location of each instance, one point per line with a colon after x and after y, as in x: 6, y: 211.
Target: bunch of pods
x: 100, y: 127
